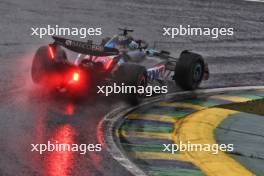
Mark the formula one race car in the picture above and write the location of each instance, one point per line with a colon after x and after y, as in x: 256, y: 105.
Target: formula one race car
x: 120, y: 60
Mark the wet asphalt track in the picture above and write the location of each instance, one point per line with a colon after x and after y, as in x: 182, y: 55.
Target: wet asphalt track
x: 29, y: 116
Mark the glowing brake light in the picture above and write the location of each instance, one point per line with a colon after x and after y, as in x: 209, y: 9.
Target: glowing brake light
x: 76, y: 76
x: 51, y: 52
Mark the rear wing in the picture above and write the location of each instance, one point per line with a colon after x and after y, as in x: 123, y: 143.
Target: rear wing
x: 85, y: 47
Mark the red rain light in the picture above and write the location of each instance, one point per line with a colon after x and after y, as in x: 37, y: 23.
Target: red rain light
x: 51, y: 52
x: 76, y: 76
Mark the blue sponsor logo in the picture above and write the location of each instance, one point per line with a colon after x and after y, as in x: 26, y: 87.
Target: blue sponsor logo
x: 155, y: 73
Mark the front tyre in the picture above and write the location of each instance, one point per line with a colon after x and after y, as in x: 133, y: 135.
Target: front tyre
x: 189, y: 70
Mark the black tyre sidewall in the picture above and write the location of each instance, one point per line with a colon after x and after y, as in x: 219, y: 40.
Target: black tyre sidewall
x: 184, y: 76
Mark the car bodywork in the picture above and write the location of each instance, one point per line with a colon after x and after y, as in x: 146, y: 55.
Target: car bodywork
x: 100, y: 63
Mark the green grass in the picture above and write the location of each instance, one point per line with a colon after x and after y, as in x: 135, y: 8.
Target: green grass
x: 254, y: 106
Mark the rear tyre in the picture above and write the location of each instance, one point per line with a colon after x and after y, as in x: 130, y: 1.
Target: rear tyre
x: 133, y: 75
x: 43, y: 64
x: 189, y: 70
